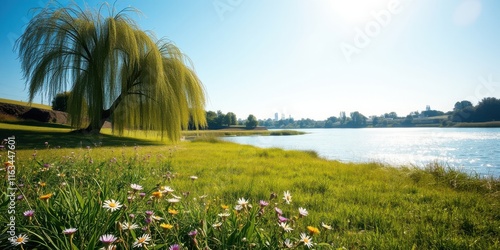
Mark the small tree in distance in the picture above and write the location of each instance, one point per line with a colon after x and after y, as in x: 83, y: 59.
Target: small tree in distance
x: 251, y: 122
x: 230, y: 119
x: 60, y: 102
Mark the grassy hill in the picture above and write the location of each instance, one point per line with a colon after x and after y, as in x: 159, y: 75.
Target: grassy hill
x: 22, y: 112
x: 33, y: 105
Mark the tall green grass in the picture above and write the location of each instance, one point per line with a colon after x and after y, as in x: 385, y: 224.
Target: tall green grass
x: 368, y: 206
x: 492, y: 124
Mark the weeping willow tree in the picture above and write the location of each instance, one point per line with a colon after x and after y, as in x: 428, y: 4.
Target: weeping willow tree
x: 114, y: 71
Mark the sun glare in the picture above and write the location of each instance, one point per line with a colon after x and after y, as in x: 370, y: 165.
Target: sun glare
x: 356, y: 11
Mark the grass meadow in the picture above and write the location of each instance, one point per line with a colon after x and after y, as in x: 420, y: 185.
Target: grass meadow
x: 106, y: 192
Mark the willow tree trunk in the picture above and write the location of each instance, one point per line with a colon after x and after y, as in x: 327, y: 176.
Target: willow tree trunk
x: 97, y: 129
x: 105, y: 115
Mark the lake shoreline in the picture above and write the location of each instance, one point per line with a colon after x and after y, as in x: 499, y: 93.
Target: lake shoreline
x: 470, y: 149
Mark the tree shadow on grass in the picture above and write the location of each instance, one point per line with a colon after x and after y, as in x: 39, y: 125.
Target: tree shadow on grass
x: 33, y: 139
x: 36, y: 124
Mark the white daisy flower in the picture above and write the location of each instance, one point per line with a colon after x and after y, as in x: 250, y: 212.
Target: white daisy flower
x: 107, y: 238
x: 287, y: 197
x: 112, y: 205
x: 142, y: 241
x: 136, y: 187
x: 303, y: 212
x: 285, y: 227
x: 223, y: 215
x: 325, y: 226
x: 19, y: 240
x: 166, y: 189
x: 128, y: 226
x: 306, y: 240
x: 242, y: 202
x: 173, y: 200
x: 69, y: 231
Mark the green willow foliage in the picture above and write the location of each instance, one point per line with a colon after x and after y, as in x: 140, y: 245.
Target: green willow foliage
x: 113, y: 69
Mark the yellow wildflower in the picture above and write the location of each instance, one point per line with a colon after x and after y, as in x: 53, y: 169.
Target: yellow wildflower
x: 166, y: 226
x: 45, y: 197
x: 313, y: 230
x: 157, y: 194
x: 172, y: 211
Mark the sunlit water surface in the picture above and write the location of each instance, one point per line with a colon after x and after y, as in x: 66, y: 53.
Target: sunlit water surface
x: 472, y: 150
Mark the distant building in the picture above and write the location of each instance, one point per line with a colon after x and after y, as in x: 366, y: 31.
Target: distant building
x: 276, y: 116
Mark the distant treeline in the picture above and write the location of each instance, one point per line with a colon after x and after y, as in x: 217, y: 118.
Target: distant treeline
x: 219, y: 120
x: 487, y: 110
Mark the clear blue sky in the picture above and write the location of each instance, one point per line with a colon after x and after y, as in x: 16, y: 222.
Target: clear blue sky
x: 313, y: 59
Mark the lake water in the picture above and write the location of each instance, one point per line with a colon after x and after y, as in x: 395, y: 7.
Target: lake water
x: 472, y: 150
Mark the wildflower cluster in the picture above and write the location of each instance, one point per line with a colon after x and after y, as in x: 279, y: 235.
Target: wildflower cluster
x: 75, y: 205
x: 170, y: 218
x: 281, y: 229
